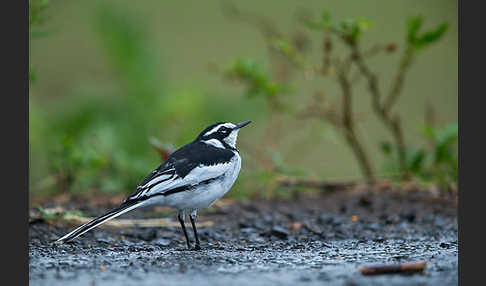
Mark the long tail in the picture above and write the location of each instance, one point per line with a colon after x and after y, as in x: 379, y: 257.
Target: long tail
x: 125, y: 207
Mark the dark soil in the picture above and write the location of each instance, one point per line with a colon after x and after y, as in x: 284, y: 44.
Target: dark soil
x: 311, y: 240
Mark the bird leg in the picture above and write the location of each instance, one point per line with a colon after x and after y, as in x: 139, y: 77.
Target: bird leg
x: 180, y: 216
x: 193, y: 217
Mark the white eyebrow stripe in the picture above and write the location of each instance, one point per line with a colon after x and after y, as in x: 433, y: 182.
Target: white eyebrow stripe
x: 212, y: 130
x: 215, y: 143
x: 229, y: 125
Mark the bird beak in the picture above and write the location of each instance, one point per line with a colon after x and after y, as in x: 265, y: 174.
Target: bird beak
x: 239, y: 125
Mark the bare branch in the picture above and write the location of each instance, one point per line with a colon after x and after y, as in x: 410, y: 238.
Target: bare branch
x: 398, y: 268
x: 397, y: 83
x: 378, y: 48
x: 383, y: 111
x: 349, y: 129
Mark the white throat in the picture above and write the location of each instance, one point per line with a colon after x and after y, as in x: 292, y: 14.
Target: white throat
x: 231, y: 139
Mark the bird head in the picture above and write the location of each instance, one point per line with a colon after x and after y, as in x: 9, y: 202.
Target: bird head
x: 221, y: 134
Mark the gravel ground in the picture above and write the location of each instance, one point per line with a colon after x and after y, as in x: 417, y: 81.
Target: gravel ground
x: 308, y: 240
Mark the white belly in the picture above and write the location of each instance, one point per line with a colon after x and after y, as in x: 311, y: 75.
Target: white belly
x: 204, y: 195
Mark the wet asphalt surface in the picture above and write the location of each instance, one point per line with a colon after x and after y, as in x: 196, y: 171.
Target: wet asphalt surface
x: 305, y: 241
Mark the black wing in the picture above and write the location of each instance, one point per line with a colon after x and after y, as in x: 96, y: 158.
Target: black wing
x: 179, y: 165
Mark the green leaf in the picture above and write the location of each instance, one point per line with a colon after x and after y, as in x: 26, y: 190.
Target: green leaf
x: 448, y: 134
x: 443, y: 154
x: 414, y: 24
x: 445, y: 142
x: 416, y: 161
x: 430, y: 36
x: 325, y: 18
x: 363, y: 24
x: 288, y: 50
x: 284, y: 46
x: 419, y: 41
x: 360, y: 26
x: 250, y: 72
x: 430, y: 133
x: 36, y: 11
x: 353, y: 28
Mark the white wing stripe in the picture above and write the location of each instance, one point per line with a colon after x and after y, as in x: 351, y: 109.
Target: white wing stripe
x: 156, y: 179
x: 197, y: 175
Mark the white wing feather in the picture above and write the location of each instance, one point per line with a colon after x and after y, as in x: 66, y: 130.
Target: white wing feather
x: 197, y: 175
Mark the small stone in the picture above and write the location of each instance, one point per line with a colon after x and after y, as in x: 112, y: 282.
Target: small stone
x: 296, y: 226
x: 148, y: 235
x: 445, y: 245
x: 162, y: 242
x: 379, y: 239
x: 365, y: 201
x: 280, y: 232
x: 410, y: 216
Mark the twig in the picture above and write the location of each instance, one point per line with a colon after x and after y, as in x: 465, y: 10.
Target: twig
x: 383, y: 109
x: 125, y: 223
x: 119, y: 223
x: 390, y: 47
x: 344, y: 120
x: 321, y: 109
x: 349, y: 130
x: 399, y: 268
x: 397, y: 84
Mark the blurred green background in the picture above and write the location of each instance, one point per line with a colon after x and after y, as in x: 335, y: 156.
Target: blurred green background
x: 110, y: 75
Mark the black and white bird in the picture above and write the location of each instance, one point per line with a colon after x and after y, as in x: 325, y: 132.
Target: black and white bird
x: 193, y: 177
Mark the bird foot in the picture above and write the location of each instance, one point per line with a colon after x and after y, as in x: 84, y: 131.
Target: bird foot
x: 196, y: 248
